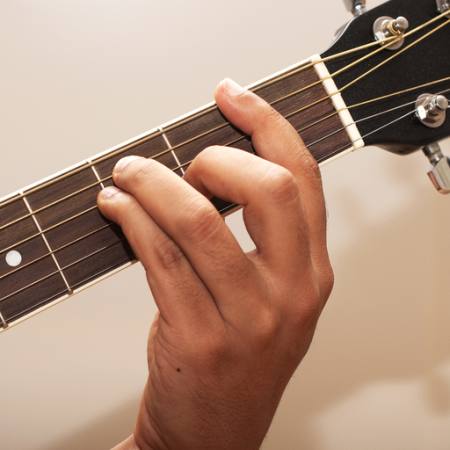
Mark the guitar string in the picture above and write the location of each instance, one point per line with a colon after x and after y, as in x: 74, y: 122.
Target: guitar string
x: 383, y: 45
x: 46, y: 230
x: 291, y: 114
x: 377, y: 66
x: 310, y: 144
x: 123, y: 240
x: 220, y: 211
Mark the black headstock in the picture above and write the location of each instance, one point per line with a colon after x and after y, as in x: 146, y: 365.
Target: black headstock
x: 426, y: 61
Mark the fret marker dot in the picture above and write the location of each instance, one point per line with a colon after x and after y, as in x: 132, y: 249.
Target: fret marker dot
x: 13, y: 258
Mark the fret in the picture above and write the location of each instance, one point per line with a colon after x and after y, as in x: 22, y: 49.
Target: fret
x: 76, y: 228
x: 38, y: 226
x: 22, y: 229
x: 29, y: 251
x: 148, y: 147
x: 211, y: 128
x: 100, y: 182
x: 190, y: 138
x: 97, y: 240
x: 15, y: 295
x: 181, y: 170
x: 32, y: 261
x: 3, y: 323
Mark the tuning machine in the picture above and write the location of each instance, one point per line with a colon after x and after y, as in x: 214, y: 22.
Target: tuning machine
x: 431, y: 110
x: 443, y: 5
x: 440, y: 172
x: 356, y: 7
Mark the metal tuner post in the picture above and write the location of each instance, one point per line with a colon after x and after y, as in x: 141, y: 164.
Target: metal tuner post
x: 440, y: 172
x: 356, y: 7
x: 443, y: 5
x: 431, y: 111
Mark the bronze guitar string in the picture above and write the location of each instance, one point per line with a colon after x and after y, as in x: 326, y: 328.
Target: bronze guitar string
x: 293, y: 113
x: 120, y: 239
x: 188, y: 162
x: 386, y: 43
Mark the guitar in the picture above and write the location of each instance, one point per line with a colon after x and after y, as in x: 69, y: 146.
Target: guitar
x: 364, y: 90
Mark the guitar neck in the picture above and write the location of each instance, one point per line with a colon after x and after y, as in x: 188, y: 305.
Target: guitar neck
x: 53, y: 239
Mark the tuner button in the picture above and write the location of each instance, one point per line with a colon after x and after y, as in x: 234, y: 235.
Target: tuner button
x: 431, y: 110
x: 356, y: 7
x: 440, y: 103
x: 386, y: 27
x: 400, y: 24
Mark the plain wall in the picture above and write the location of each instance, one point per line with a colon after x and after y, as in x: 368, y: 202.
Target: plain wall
x: 79, y: 76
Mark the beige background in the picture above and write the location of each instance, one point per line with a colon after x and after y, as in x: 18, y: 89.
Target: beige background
x: 80, y: 76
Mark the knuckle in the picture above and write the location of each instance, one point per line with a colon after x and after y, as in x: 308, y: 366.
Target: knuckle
x: 269, y: 324
x: 281, y: 185
x: 202, y: 221
x: 271, y: 116
x: 204, y: 157
x: 213, y: 352
x: 168, y: 254
x: 304, y: 312
x: 311, y: 166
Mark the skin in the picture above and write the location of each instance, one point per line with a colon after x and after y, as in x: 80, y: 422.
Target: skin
x: 232, y: 327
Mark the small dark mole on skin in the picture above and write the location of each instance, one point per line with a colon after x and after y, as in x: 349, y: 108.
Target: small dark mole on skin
x: 178, y: 369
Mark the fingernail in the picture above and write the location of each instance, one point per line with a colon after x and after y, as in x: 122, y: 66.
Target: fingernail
x: 232, y: 88
x: 122, y: 163
x: 109, y: 192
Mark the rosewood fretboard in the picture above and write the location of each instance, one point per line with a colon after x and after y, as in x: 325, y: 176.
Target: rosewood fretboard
x: 54, y: 241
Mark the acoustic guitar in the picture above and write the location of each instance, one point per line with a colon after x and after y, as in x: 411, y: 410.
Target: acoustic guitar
x: 366, y: 89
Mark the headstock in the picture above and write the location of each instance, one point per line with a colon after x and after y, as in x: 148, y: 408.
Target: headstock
x: 390, y: 85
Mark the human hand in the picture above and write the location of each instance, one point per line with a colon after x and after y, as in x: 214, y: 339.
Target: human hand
x: 232, y: 327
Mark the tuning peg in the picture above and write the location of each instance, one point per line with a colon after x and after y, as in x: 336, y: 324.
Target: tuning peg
x: 356, y: 7
x: 443, y: 5
x: 440, y: 172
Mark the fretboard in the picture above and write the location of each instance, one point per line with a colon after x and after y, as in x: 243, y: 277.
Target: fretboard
x: 53, y: 239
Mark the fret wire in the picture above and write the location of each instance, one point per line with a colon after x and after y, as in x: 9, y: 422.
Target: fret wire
x: 18, y: 291
x: 3, y: 322
x: 96, y: 174
x: 297, y: 111
x: 387, y: 42
x: 171, y: 148
x: 221, y: 210
x: 44, y: 238
x: 56, y: 225
x: 91, y: 233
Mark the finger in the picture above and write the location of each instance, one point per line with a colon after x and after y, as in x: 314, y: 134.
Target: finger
x: 191, y: 221
x: 276, y: 140
x: 270, y: 196
x: 181, y: 297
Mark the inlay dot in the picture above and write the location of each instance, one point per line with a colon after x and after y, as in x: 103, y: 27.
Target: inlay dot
x: 13, y: 258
